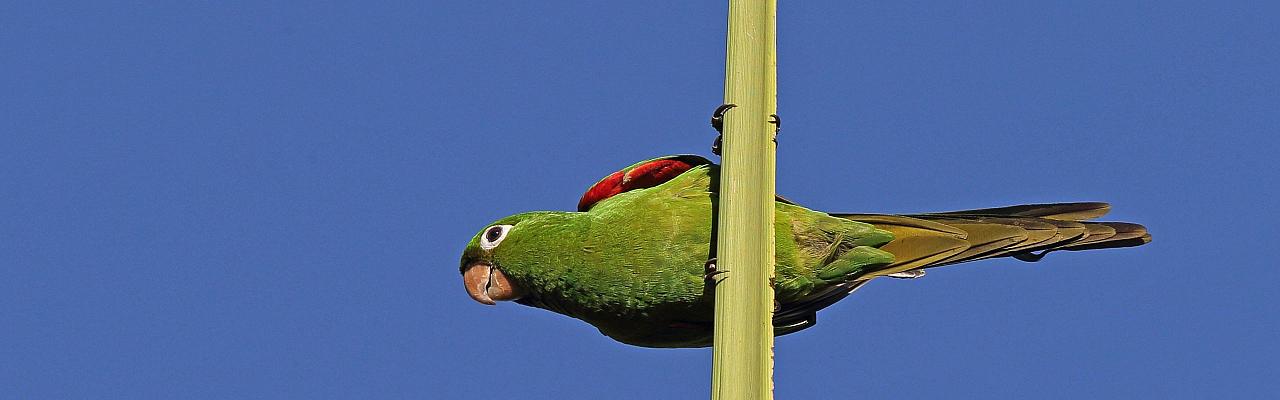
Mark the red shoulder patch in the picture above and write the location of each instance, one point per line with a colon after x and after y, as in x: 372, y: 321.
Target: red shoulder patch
x: 645, y: 175
x: 606, y: 188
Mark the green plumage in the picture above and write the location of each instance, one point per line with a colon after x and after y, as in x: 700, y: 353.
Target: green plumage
x: 633, y: 264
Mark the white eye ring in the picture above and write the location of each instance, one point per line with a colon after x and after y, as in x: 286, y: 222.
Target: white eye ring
x: 493, y: 235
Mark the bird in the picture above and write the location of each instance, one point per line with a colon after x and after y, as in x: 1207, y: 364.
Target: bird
x: 636, y: 260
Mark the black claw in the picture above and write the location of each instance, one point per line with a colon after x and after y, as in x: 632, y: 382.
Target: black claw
x: 717, y: 122
x: 714, y: 278
x: 711, y: 273
x: 777, y: 126
x: 717, y: 117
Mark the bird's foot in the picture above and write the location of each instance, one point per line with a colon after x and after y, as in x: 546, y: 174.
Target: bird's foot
x: 777, y: 126
x: 717, y: 122
x: 717, y: 116
x: 711, y: 275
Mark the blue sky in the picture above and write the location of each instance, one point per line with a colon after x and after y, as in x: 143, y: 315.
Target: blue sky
x: 269, y: 199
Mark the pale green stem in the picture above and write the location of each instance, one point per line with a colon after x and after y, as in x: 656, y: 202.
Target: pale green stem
x: 742, y: 360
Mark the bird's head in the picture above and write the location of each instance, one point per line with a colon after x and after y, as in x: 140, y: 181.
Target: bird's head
x: 499, y: 261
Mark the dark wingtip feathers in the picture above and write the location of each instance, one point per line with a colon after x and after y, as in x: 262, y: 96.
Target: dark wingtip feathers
x: 1026, y: 232
x: 1071, y: 228
x: 1059, y: 211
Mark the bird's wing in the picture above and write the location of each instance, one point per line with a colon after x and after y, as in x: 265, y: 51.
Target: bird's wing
x: 644, y: 174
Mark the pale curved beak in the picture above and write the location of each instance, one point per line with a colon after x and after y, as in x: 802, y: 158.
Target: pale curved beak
x: 488, y: 285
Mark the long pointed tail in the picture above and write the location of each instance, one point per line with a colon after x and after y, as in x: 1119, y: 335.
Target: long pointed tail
x: 1025, y: 232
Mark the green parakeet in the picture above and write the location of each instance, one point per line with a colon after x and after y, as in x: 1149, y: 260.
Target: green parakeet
x: 632, y: 260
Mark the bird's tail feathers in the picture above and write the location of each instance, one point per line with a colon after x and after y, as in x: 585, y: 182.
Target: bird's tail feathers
x: 1025, y: 232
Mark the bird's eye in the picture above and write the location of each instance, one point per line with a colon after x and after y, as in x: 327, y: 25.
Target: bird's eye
x: 493, y: 236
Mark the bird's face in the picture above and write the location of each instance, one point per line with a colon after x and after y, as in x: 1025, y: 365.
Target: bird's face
x: 483, y: 260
